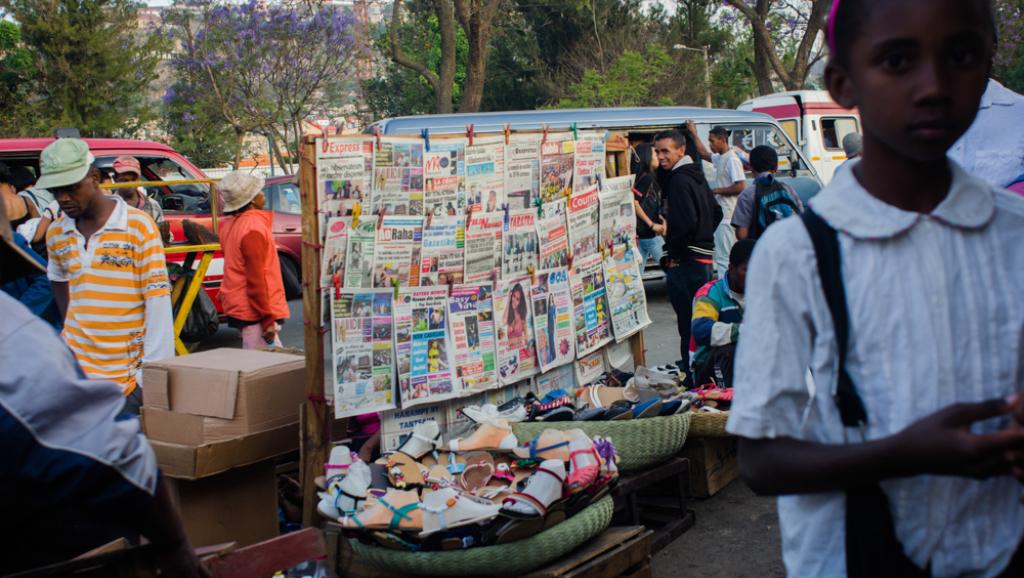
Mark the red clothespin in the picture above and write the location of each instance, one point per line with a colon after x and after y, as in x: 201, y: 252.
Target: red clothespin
x: 380, y: 217
x: 470, y: 133
x: 544, y: 137
x: 451, y: 281
x: 469, y: 216
x: 336, y: 281
x: 508, y: 132
x: 376, y: 134
x: 430, y: 219
x: 569, y: 258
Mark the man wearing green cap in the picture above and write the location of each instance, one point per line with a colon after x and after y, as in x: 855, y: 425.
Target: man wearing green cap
x: 108, y: 272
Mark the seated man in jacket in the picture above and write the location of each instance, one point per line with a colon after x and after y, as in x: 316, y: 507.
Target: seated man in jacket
x: 717, y: 315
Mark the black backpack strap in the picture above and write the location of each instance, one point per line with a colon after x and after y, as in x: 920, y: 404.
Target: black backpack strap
x: 826, y: 248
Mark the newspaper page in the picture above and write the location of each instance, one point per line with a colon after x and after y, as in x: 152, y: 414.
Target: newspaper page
x: 361, y: 352
x: 332, y: 261
x: 556, y: 167
x: 398, y: 177
x: 519, y: 243
x: 483, y: 246
x: 590, y: 305
x: 443, y: 252
x: 553, y: 242
x: 618, y: 217
x: 421, y: 346
x: 343, y: 169
x: 583, y: 223
x: 552, y: 319
x: 522, y: 170
x: 588, y: 169
x: 589, y: 368
x: 563, y: 378
x: 554, y: 208
x: 359, y: 255
x: 625, y: 286
x: 517, y: 356
x: 485, y: 174
x: 396, y: 252
x: 444, y: 170
x: 471, y: 315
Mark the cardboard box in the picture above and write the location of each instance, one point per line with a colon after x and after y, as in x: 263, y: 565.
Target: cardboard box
x: 713, y: 464
x: 199, y: 461
x: 236, y: 506
x: 221, y: 394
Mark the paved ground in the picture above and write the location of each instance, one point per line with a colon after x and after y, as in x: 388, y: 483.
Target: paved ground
x: 736, y: 534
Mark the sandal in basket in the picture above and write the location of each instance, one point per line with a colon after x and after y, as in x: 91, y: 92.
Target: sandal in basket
x: 404, y: 471
x: 493, y: 435
x: 544, y: 488
x: 447, y: 508
x: 584, y: 461
x: 478, y: 471
x: 397, y: 510
x: 550, y: 444
x: 345, y: 497
x: 425, y: 437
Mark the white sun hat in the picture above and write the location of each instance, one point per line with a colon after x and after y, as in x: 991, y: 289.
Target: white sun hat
x: 238, y: 189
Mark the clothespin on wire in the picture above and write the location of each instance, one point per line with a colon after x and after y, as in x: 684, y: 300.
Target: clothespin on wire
x: 575, y: 133
x: 376, y: 135
x: 544, y: 136
x: 430, y: 219
x: 569, y: 259
x: 508, y: 133
x: 470, y: 133
x: 539, y: 202
x: 380, y: 217
x: 394, y: 284
x: 533, y: 274
x: 357, y: 210
x: 425, y: 133
x: 504, y: 208
x: 336, y: 281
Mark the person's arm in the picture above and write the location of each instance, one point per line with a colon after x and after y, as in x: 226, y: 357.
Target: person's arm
x: 940, y: 444
x: 732, y: 190
x: 682, y: 211
x: 151, y: 267
x: 744, y: 212
x: 734, y: 168
x: 255, y: 244
x: 742, y: 233
x: 702, y: 150
x: 658, y: 228
x: 367, y: 451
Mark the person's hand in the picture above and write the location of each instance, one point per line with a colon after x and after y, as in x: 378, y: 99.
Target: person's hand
x: 270, y: 333
x: 661, y: 227
x: 691, y: 127
x: 181, y: 561
x: 943, y: 444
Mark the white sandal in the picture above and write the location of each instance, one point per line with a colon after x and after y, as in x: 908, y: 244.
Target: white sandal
x: 425, y: 438
x: 446, y: 508
x: 543, y: 489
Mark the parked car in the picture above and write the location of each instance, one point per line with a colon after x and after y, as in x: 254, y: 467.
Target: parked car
x: 814, y: 121
x: 185, y: 201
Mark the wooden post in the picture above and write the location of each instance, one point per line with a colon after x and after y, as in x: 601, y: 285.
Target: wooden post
x: 316, y: 425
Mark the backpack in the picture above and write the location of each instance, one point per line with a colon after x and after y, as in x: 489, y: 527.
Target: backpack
x: 772, y: 202
x: 650, y: 202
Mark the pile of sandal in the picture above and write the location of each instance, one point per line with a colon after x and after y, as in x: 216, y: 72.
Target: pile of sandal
x: 481, y: 489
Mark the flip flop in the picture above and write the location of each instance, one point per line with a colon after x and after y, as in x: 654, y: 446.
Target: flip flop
x: 404, y: 471
x: 478, y: 472
x: 564, y: 413
x: 591, y: 414
x: 650, y: 408
x: 447, y: 508
x: 670, y: 407
x: 544, y: 488
x: 619, y: 410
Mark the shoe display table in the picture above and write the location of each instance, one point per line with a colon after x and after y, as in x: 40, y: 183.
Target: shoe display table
x: 656, y: 498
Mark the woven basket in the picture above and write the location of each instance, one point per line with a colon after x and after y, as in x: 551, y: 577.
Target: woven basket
x: 640, y: 443
x: 504, y: 559
x: 708, y: 425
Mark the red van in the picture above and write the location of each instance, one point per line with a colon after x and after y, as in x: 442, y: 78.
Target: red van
x: 186, y: 201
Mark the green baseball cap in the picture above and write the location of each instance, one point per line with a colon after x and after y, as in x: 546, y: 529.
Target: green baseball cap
x: 66, y: 161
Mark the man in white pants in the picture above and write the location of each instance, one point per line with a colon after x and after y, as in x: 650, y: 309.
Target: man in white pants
x: 729, y: 183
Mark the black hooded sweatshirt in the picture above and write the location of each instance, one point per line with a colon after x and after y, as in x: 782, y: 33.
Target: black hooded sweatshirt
x: 692, y: 213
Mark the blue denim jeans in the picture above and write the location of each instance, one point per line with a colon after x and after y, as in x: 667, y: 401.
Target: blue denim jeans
x: 653, y: 248
x: 683, y: 281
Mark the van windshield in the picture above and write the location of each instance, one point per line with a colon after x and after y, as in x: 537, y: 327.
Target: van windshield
x: 189, y: 198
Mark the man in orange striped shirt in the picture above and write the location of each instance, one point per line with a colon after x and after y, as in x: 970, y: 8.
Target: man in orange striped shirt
x: 108, y: 272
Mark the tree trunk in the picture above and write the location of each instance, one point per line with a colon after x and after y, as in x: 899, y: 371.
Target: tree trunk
x: 476, y: 17
x: 762, y: 71
x: 443, y: 82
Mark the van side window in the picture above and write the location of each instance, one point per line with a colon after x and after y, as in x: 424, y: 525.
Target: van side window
x: 790, y: 126
x: 187, y: 198
x: 834, y: 129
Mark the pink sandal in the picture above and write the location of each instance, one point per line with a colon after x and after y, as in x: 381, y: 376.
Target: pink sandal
x: 582, y: 476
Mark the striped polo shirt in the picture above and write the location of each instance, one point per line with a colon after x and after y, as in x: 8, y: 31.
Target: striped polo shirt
x: 109, y: 280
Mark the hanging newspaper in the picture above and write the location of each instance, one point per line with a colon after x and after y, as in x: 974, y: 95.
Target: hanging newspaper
x: 445, y: 178
x: 618, y: 217
x: 398, y: 177
x: 359, y: 255
x: 563, y: 378
x: 588, y: 169
x: 517, y: 356
x: 556, y: 167
x: 553, y: 242
x: 625, y: 286
x: 583, y: 223
x: 343, y: 169
x: 519, y: 243
x: 483, y: 246
x: 522, y: 171
x: 396, y: 252
x: 590, y: 306
x: 485, y: 174
x: 471, y: 314
x: 552, y: 319
x: 444, y: 248
x: 361, y: 355
x: 421, y: 346
x: 589, y: 368
x: 554, y: 208
x: 332, y: 261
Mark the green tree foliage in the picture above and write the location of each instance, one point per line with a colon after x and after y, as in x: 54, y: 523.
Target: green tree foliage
x: 628, y: 82
x: 15, y: 72
x: 90, y: 67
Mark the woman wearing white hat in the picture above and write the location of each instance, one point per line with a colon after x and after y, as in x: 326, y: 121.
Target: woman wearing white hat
x: 251, y: 294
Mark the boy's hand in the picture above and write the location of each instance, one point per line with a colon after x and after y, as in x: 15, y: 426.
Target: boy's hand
x: 942, y: 443
x: 691, y: 127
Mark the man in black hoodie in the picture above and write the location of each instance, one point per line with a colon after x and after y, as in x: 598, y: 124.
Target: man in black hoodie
x: 692, y: 214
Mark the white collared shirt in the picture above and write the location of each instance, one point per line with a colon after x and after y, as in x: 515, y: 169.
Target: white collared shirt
x: 937, y: 317
x: 993, y: 148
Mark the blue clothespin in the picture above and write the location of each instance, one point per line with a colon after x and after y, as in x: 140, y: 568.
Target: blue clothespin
x: 539, y: 202
x: 504, y: 207
x: 425, y: 133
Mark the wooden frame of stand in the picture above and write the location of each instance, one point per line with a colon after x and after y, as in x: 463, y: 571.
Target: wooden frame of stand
x: 316, y: 417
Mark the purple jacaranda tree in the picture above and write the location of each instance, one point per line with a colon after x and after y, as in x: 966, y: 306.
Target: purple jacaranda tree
x: 265, y: 67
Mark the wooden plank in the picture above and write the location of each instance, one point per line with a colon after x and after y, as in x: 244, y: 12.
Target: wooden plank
x: 638, y: 481
x: 636, y: 344
x: 112, y: 546
x: 316, y: 423
x: 265, y: 558
x: 610, y: 539
x: 633, y: 552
